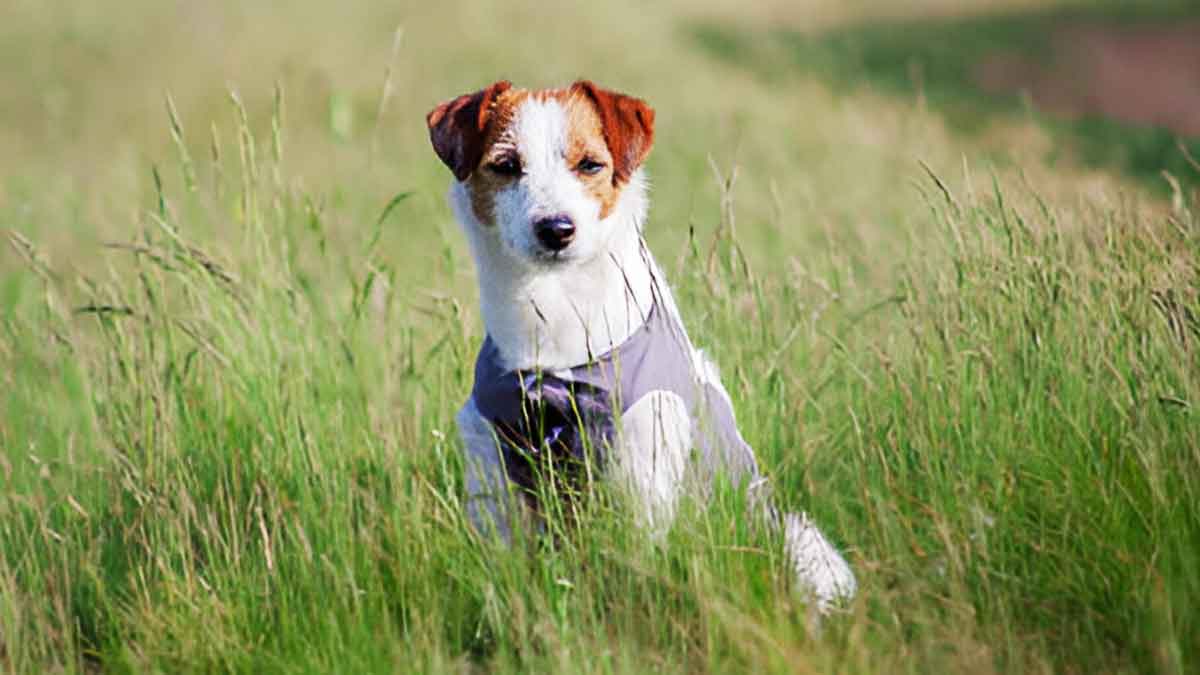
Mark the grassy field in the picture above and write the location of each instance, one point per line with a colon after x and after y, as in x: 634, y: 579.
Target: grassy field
x: 934, y: 61
x: 236, y: 320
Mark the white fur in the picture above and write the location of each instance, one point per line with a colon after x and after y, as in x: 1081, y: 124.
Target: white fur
x: 656, y: 437
x: 821, y: 570
x: 556, y: 311
x: 488, y: 503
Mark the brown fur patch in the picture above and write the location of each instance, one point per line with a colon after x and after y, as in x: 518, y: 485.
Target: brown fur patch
x: 457, y: 128
x: 482, y: 185
x: 628, y: 125
x: 611, y: 129
x: 586, y: 141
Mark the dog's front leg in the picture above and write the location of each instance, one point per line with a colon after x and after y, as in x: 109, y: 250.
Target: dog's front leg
x: 490, y: 506
x: 651, y: 456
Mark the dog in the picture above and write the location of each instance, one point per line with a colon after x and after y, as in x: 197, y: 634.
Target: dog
x: 586, y: 365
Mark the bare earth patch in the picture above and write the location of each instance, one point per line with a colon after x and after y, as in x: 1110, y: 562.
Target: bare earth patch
x: 1144, y: 74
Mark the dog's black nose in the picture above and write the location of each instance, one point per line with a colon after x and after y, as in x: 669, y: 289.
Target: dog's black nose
x: 555, y: 232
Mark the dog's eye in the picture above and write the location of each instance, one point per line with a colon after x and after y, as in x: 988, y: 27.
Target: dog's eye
x: 506, y: 166
x: 589, y: 166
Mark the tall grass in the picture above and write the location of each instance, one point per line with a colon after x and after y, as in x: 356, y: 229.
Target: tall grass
x: 235, y: 451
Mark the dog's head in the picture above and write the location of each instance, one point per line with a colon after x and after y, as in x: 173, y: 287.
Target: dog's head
x: 543, y: 172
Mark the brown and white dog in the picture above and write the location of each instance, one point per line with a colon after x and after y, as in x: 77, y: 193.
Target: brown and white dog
x: 550, y: 192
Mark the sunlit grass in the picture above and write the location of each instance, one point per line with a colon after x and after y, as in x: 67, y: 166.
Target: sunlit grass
x: 228, y: 382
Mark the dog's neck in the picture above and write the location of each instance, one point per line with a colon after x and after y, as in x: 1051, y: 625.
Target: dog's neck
x: 560, y: 317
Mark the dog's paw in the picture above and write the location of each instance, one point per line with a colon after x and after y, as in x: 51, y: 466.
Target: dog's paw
x: 821, y: 572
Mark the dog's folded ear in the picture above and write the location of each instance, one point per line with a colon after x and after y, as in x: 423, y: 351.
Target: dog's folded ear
x: 628, y: 125
x: 457, y: 128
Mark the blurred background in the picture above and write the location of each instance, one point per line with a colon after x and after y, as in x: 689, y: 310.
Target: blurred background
x: 825, y: 106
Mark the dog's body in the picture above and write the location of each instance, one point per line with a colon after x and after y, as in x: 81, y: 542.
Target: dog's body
x: 581, y: 326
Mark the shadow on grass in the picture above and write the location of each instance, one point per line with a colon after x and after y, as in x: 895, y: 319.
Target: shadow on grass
x: 1119, y: 84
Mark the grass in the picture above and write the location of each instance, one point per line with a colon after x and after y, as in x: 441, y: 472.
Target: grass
x: 228, y: 383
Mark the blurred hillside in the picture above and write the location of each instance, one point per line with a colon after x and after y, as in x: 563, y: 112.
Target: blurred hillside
x: 82, y: 115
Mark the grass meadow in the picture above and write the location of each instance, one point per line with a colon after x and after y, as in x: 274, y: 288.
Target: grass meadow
x: 237, y: 318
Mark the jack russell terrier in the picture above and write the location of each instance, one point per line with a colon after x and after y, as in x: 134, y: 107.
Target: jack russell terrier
x: 586, y: 366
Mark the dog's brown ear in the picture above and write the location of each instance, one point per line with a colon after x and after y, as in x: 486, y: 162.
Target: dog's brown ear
x: 628, y: 127
x: 457, y: 128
